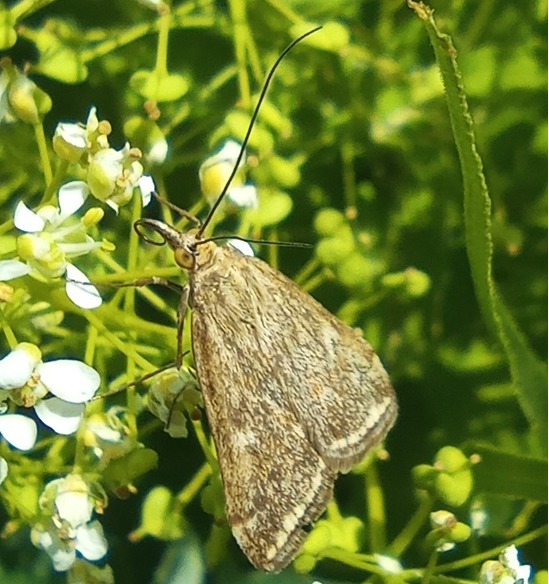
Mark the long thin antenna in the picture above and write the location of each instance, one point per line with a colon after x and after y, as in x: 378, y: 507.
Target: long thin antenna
x: 250, y: 127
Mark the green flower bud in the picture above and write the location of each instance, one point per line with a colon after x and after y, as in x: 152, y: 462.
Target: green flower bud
x: 28, y: 102
x: 451, y: 459
x: 460, y: 532
x: 424, y: 476
x: 329, y: 222
x: 453, y: 490
x: 331, y: 251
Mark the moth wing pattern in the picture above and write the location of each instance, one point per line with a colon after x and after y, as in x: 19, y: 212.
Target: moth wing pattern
x: 345, y: 400
x: 290, y: 380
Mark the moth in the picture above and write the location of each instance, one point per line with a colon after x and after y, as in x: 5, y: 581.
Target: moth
x: 293, y: 396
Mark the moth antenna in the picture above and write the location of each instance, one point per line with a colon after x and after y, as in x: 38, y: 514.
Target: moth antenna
x: 258, y: 241
x: 255, y: 113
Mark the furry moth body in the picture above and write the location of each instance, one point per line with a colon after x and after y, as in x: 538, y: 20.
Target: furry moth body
x: 293, y: 396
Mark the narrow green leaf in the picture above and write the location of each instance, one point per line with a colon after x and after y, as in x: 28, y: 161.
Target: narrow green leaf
x: 528, y: 373
x: 507, y: 474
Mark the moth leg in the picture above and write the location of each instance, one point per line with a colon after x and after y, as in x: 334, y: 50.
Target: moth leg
x: 185, y: 214
x: 181, y: 312
x: 151, y: 281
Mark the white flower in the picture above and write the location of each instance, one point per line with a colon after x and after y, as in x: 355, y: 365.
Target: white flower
x: 17, y: 366
x: 171, y: 393
x: 70, y: 504
x: 215, y: 172
x: 509, y: 558
x: 72, y: 141
x: 108, y: 435
x: 71, y: 382
x: 146, y: 187
x: 113, y: 174
x: 61, y: 551
x: 508, y: 570
x: 51, y: 239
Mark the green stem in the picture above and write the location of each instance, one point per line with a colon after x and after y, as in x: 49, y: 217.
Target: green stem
x: 430, y: 569
x: 161, y: 67
x: 25, y: 8
x: 240, y: 35
x: 493, y: 552
x: 193, y: 487
x: 7, y: 330
x: 375, y: 505
x: 405, y: 538
x: 43, y: 151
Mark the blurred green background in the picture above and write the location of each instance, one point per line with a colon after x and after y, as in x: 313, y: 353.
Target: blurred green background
x: 355, y: 155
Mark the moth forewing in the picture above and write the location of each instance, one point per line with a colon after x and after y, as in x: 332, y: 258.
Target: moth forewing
x: 292, y: 396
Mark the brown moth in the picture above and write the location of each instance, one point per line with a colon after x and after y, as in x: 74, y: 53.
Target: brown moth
x: 293, y: 396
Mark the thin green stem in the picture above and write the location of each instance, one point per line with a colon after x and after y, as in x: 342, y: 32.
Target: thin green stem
x: 25, y: 8
x: 405, y: 538
x: 53, y: 186
x: 430, y: 569
x: 204, y: 443
x: 161, y: 67
x: 240, y: 35
x: 493, y: 552
x: 192, y: 488
x: 42, y: 144
x: 375, y: 505
x: 7, y: 330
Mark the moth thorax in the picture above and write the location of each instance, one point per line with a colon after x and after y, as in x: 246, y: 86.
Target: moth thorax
x: 184, y: 258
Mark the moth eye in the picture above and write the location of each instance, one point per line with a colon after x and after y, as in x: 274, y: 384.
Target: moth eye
x: 184, y: 258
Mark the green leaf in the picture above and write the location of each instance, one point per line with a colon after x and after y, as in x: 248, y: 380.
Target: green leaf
x: 528, y: 373
x: 507, y: 474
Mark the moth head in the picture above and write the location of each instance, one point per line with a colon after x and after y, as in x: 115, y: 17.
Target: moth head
x: 182, y: 244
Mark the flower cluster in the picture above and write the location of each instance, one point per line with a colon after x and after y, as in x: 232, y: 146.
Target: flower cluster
x: 66, y: 526
x: 57, y: 391
x: 506, y: 570
x: 53, y: 236
x: 111, y: 175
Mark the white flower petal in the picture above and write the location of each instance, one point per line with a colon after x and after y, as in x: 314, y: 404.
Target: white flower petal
x: 80, y: 290
x: 62, y: 553
x: 18, y: 430
x: 70, y: 380
x: 242, y: 246
x: 389, y: 564
x: 229, y: 152
x: 244, y: 196
x: 73, y: 134
x: 10, y: 269
x: 72, y: 196
x: 17, y: 366
x: 27, y: 220
x: 147, y: 187
x: 3, y: 470
x: 74, y: 507
x: 61, y: 416
x: 90, y: 541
